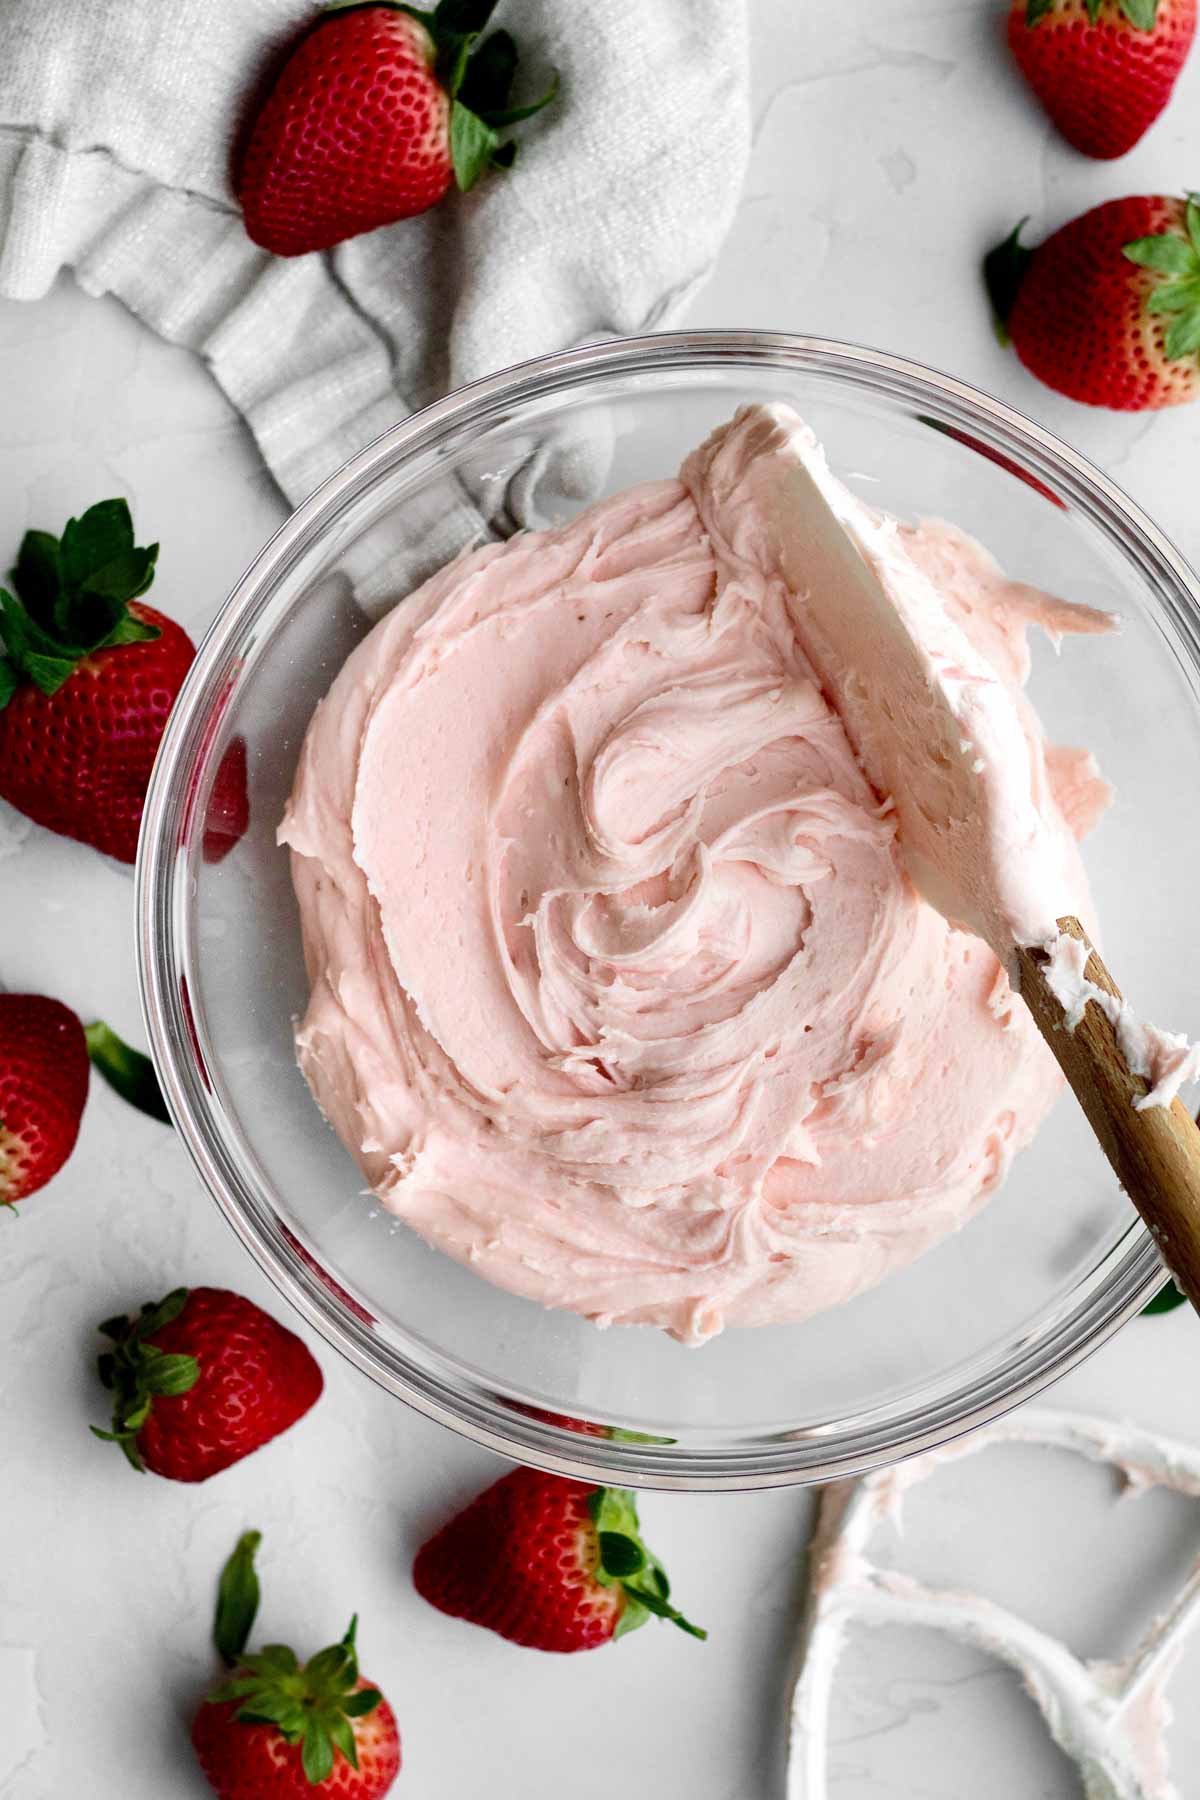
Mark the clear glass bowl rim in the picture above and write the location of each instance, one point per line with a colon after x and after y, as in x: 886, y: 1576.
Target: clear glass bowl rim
x: 1125, y: 1278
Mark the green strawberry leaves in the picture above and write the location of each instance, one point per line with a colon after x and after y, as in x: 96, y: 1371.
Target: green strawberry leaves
x: 1140, y: 13
x: 1183, y: 335
x: 489, y: 74
x: 313, y: 1705
x: 1168, y: 255
x: 31, y: 652
x: 1177, y: 259
x: 126, y: 1070
x: 472, y: 145
x: 99, y: 559
x: 72, y: 596
x: 238, y: 1594
x: 475, y: 141
x: 37, y: 576
x: 136, y: 1372
x: 477, y: 74
x: 620, y: 1555
x: 625, y: 1562
x: 1003, y: 272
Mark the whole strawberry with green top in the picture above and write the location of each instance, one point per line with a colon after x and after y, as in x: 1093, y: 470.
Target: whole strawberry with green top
x: 88, y: 675
x: 201, y: 1379
x: 377, y: 110
x: 279, y: 1729
x: 1107, y: 310
x: 1103, y: 69
x: 548, y: 1563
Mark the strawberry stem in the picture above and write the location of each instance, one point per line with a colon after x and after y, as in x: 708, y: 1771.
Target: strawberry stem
x: 238, y: 1594
x: 126, y: 1070
x: 625, y: 1562
x: 312, y: 1704
x: 1004, y: 269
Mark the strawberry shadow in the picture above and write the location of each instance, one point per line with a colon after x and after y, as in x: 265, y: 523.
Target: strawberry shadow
x: 447, y: 1494
x: 263, y: 73
x: 183, y: 1693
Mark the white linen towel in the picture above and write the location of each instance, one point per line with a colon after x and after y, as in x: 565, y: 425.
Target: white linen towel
x: 117, y: 119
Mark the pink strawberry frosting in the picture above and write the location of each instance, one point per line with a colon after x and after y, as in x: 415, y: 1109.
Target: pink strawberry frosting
x: 620, y: 989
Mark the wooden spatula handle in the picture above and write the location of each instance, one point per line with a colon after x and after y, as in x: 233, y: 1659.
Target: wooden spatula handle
x: 1155, y: 1153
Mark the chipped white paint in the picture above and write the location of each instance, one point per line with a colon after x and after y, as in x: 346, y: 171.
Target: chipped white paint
x: 1108, y: 1717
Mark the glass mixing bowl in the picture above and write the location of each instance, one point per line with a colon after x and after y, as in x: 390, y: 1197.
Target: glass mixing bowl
x: 1055, y: 1262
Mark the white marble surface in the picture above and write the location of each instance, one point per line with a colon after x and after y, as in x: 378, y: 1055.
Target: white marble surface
x: 894, y: 143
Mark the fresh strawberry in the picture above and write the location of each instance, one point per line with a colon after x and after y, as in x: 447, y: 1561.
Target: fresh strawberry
x: 275, y: 1729
x: 87, y: 678
x: 200, y: 1380
x: 44, y: 1055
x: 1103, y: 69
x: 1107, y: 310
x: 373, y: 115
x: 43, y: 1087
x: 548, y: 1563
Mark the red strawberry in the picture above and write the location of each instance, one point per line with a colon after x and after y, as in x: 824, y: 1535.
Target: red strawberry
x: 44, y: 1054
x: 1103, y: 69
x: 548, y: 1563
x: 1107, y: 310
x: 87, y: 679
x: 43, y: 1086
x: 375, y: 112
x: 276, y: 1729
x: 201, y: 1380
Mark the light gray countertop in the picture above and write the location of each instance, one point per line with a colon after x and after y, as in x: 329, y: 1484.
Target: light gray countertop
x: 893, y: 144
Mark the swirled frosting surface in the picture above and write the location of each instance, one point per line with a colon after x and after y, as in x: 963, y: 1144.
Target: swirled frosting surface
x: 620, y: 991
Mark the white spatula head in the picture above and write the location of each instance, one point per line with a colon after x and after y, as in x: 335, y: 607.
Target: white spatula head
x: 935, y: 728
